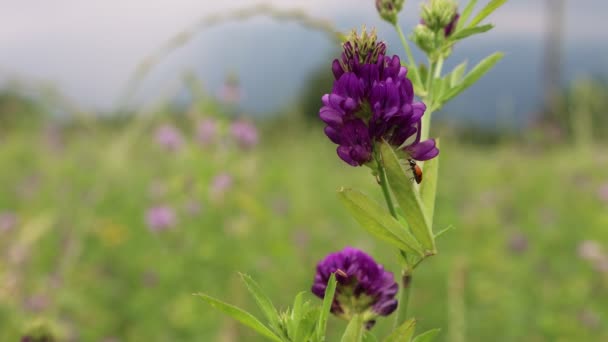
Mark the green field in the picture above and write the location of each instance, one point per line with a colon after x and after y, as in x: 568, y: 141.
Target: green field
x: 82, y: 258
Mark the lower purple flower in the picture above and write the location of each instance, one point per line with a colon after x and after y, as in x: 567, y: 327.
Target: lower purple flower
x: 364, y: 287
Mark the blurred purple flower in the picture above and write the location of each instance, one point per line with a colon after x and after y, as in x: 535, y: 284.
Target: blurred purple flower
x: 160, y: 218
x: 207, y: 131
x: 169, y: 137
x: 244, y: 133
x: 590, y: 250
x: 230, y: 92
x: 8, y: 221
x: 364, y: 287
x: 36, y: 303
x: 518, y: 243
x: 602, y: 193
x: 220, y: 184
x: 372, y: 99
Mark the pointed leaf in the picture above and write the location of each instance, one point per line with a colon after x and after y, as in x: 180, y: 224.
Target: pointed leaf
x: 368, y: 336
x: 427, y: 336
x: 486, y: 11
x: 479, y: 70
x: 240, y: 315
x: 408, y: 198
x: 354, y: 330
x: 457, y: 73
x: 330, y: 291
x: 469, y: 31
x: 262, y: 301
x: 466, y: 13
x: 306, y: 326
x: 377, y: 221
x: 428, y: 188
x: 403, y: 333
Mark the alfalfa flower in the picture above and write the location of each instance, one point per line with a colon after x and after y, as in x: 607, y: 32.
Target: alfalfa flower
x: 372, y: 99
x: 364, y: 287
x: 160, y: 218
x: 169, y: 137
x: 244, y: 133
x: 207, y: 131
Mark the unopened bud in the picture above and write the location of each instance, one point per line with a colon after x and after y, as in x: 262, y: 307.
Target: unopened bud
x: 438, y: 14
x: 389, y: 9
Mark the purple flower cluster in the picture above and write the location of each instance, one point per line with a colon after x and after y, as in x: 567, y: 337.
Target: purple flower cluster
x: 169, y: 137
x: 372, y: 99
x: 363, y: 285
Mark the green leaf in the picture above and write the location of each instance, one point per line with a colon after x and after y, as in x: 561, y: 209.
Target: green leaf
x: 377, y: 221
x: 403, y: 333
x: 427, y: 336
x: 368, y: 336
x: 240, y: 315
x: 457, y: 73
x: 408, y: 198
x: 354, y: 330
x: 262, y: 301
x: 486, y: 11
x: 474, y: 75
x: 466, y: 13
x: 296, y: 314
x: 330, y: 291
x: 428, y: 188
x: 469, y: 31
x: 306, y: 326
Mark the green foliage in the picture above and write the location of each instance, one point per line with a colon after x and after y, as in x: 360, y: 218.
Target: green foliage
x: 408, y: 198
x: 378, y: 222
x: 403, y: 333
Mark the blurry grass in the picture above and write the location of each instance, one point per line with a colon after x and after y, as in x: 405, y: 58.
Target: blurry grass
x: 105, y: 275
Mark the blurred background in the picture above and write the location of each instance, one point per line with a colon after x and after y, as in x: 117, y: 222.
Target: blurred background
x: 153, y: 149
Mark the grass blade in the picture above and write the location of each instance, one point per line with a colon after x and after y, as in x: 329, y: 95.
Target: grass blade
x: 403, y: 333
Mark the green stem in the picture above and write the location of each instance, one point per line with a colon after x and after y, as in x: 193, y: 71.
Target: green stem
x: 408, y: 52
x: 385, y: 191
x: 439, y: 67
x: 404, y: 296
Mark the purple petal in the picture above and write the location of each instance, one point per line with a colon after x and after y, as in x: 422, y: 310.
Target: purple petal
x: 424, y: 150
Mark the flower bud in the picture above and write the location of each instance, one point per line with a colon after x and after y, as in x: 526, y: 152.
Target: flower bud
x: 439, y: 14
x: 424, y: 38
x: 389, y: 9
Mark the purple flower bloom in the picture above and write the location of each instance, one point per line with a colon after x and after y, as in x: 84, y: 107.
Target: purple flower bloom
x: 245, y: 133
x: 8, y: 221
x: 364, y: 287
x: 160, y: 218
x: 603, y: 192
x: 372, y: 99
x: 169, y: 137
x: 220, y: 184
x: 206, y: 131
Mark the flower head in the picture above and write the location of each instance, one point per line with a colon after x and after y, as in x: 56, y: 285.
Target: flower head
x: 440, y: 15
x: 169, y: 137
x: 206, y: 131
x: 160, y: 218
x: 8, y: 221
x: 364, y: 287
x: 244, y: 133
x: 372, y: 99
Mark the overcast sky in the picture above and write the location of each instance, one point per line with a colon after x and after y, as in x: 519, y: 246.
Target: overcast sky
x: 88, y: 48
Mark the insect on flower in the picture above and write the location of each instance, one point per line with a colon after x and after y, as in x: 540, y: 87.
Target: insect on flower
x: 416, y: 171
